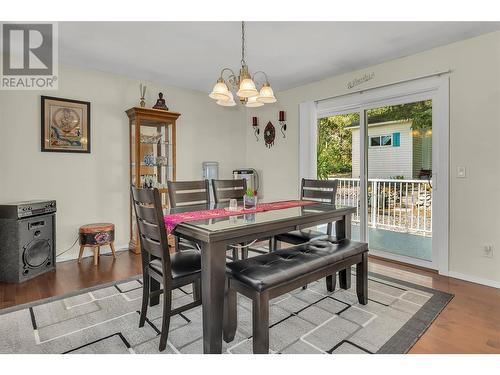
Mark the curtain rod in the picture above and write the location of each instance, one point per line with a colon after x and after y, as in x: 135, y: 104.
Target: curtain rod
x: 387, y: 84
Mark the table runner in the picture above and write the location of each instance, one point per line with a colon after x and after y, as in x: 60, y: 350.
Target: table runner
x: 172, y: 220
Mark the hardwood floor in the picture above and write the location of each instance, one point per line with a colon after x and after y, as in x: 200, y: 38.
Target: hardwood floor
x: 71, y: 276
x: 469, y: 324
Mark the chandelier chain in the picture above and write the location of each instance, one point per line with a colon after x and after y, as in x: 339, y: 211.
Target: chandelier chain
x: 243, y: 43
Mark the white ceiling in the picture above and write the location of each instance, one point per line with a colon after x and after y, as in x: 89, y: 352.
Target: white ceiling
x: 191, y: 54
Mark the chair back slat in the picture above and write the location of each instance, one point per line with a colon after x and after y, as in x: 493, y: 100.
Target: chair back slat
x: 152, y: 247
x: 149, y: 230
x: 191, y: 198
x: 147, y: 214
x: 224, y: 190
x: 320, y: 190
x: 328, y: 184
x: 317, y: 194
x: 151, y: 227
x: 144, y: 196
x: 187, y: 193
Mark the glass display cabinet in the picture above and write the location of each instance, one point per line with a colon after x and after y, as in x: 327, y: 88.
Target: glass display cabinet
x: 152, y: 155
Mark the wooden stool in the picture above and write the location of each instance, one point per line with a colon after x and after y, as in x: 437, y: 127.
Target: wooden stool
x: 95, y: 236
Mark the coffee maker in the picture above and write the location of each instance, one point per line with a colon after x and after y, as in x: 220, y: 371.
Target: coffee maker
x: 251, y: 175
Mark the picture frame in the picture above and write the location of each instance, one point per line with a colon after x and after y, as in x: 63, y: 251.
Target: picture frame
x: 65, y: 125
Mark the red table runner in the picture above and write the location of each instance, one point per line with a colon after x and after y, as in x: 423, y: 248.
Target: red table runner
x: 173, y: 219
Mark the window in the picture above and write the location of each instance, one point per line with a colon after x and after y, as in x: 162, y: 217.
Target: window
x: 381, y: 141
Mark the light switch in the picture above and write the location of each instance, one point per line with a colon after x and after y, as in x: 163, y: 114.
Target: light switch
x: 461, y: 172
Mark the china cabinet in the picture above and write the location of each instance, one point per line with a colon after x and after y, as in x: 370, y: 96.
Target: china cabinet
x: 152, y: 155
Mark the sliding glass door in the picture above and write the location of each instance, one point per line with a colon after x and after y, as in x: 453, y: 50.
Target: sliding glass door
x: 337, y: 160
x: 386, y: 148
x: 399, y: 162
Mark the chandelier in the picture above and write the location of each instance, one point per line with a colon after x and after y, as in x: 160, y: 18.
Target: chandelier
x: 243, y: 84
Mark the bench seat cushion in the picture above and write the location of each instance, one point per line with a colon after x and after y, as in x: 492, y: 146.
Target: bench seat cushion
x: 297, y: 237
x: 266, y: 271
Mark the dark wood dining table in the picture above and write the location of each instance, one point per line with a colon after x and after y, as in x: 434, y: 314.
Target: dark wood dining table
x: 214, y: 235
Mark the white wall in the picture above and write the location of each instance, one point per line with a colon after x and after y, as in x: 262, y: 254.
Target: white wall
x: 474, y: 137
x: 94, y: 187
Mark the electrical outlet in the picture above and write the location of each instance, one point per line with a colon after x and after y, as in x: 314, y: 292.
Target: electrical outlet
x: 488, y: 251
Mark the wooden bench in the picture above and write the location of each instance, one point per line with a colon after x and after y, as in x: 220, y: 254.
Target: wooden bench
x: 264, y: 277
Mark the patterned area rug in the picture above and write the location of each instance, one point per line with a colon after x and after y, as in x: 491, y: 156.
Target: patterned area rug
x: 105, y: 320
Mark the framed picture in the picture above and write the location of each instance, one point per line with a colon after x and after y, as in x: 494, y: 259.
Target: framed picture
x: 65, y: 125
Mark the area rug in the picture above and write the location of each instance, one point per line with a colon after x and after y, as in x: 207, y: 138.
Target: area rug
x: 105, y: 320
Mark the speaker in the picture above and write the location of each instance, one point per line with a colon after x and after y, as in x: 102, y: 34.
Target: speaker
x: 27, y: 247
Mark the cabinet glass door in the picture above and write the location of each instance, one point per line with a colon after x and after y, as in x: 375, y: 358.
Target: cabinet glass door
x: 156, y: 157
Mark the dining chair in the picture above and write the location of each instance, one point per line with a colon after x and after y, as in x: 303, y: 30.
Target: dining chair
x: 184, y: 194
x: 316, y: 190
x: 190, y: 193
x: 225, y: 190
x: 158, y: 265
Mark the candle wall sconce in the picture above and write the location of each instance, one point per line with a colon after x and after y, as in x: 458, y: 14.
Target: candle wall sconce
x: 256, y: 130
x: 281, y: 120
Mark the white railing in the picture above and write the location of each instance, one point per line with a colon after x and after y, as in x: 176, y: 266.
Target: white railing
x: 397, y: 205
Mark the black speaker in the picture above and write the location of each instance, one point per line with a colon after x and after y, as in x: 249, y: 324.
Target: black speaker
x: 27, y: 241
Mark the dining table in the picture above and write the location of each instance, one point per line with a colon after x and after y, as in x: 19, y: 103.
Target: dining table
x: 213, y: 236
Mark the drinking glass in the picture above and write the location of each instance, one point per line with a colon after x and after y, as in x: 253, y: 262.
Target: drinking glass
x: 233, y: 205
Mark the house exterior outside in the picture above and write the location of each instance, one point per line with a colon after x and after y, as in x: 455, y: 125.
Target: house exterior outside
x: 394, y: 150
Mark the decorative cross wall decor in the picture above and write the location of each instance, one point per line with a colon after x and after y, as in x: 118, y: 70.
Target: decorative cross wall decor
x: 269, y: 134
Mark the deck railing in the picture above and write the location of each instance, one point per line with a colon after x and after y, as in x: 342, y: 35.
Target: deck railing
x: 397, y: 205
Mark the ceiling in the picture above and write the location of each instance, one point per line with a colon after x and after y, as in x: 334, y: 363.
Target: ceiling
x: 191, y: 54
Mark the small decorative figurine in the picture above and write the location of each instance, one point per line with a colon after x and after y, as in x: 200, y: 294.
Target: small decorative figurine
x: 160, y: 103
x: 142, y: 89
x: 149, y: 160
x: 161, y: 160
x: 256, y: 130
x: 269, y: 134
x: 281, y: 120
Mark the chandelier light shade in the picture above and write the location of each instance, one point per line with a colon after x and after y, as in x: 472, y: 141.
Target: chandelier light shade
x: 243, y: 84
x: 220, y: 91
x: 266, y: 94
x: 253, y: 102
x: 228, y: 102
x: 247, y: 89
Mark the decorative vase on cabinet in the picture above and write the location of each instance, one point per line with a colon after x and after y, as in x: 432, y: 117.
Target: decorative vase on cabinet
x: 152, y: 155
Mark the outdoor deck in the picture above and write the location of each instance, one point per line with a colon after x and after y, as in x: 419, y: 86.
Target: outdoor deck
x: 399, y: 214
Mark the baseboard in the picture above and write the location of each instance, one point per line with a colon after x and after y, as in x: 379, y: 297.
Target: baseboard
x: 474, y: 279
x: 398, y: 262
x: 88, y: 253
x: 402, y: 259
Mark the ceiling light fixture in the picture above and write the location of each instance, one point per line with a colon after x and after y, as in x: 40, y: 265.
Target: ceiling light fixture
x: 228, y: 102
x: 243, y: 84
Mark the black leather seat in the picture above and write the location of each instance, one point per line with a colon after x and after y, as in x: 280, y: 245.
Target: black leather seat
x: 269, y: 270
x: 182, y: 263
x: 304, y: 235
x: 268, y: 276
